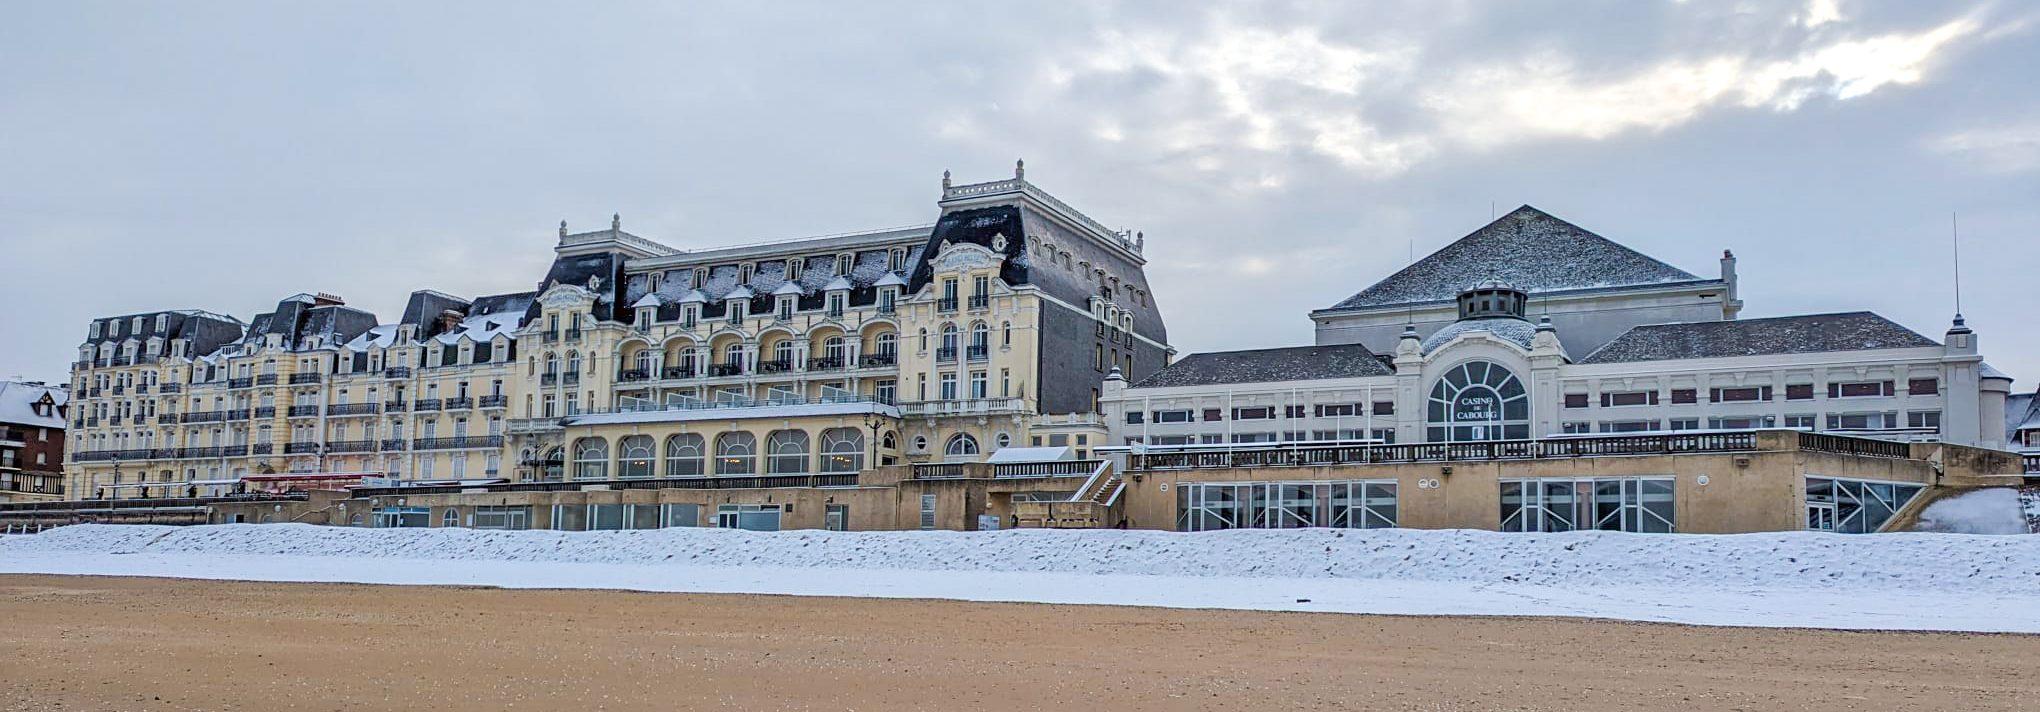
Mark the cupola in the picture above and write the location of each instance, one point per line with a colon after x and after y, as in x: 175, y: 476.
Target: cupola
x: 1492, y: 298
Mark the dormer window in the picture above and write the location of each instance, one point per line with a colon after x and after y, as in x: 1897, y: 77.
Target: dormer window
x: 895, y: 259
x: 736, y: 310
x: 694, y: 277
x: 888, y: 300
x: 644, y: 317
x: 690, y: 315
x: 744, y: 273
x: 652, y: 282
x: 793, y: 268
x: 835, y: 305
x: 162, y: 322
x: 785, y: 308
x: 842, y: 265
x: 135, y: 326
x: 98, y: 328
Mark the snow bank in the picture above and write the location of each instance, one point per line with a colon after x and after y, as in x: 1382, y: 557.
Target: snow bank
x: 1985, y: 511
x: 1895, y: 562
x: 1886, y: 581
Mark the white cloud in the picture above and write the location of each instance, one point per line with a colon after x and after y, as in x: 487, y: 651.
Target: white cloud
x: 2009, y: 149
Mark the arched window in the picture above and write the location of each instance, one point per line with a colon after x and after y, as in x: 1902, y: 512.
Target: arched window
x: 783, y: 351
x: 1475, y: 401
x: 551, y: 467
x: 960, y: 445
x: 891, y: 441
x: 634, y: 456
x: 687, y: 356
x: 450, y: 519
x: 924, y: 338
x: 573, y: 362
x: 949, y: 338
x: 642, y: 361
x: 684, y: 456
x: 552, y: 363
x: 832, y: 349
x: 591, y: 459
x: 733, y: 355
x: 842, y: 450
x: 888, y: 344
x: 736, y: 453
x: 1006, y: 333
x: 786, y: 452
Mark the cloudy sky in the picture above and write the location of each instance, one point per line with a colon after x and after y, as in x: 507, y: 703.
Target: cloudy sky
x: 1279, y: 156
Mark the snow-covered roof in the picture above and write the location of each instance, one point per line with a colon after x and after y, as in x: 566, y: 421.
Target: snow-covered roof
x: 1517, y: 331
x: 649, y: 300
x: 380, y: 336
x: 1296, y: 363
x: 837, y: 284
x: 17, y: 402
x: 787, y: 289
x: 741, y: 292
x: 1527, y: 249
x: 1814, y: 333
x: 891, y: 279
x: 692, y: 296
x: 1032, y: 454
x: 1989, y: 372
x: 484, y: 328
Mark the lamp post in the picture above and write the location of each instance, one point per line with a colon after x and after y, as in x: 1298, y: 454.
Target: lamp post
x: 871, y: 420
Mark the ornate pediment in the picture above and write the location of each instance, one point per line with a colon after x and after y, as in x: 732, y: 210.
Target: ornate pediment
x: 566, y: 296
x: 964, y: 256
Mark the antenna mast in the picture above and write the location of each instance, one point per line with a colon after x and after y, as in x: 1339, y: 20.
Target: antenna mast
x: 1955, y: 243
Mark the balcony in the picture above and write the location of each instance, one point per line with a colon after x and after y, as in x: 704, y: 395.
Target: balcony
x: 549, y: 337
x: 461, y: 403
x: 117, y: 390
x: 93, y: 393
x: 208, y: 416
x: 240, y: 383
x: 352, y: 409
x: 496, y: 401
x: 835, y: 312
x: 424, y: 405
x: 395, y: 406
x: 303, y: 411
x: 726, y: 369
x: 570, y: 378
x: 172, y: 388
x: 198, y: 452
x: 92, y: 422
x: 397, y: 372
x: 166, y: 419
x: 946, y: 353
x: 463, y: 442
x: 945, y: 304
x: 888, y: 308
x: 300, y: 448
x: 262, y: 449
x: 112, y: 421
x: 392, y: 444
x: 979, y: 302
x: 238, y: 414
x: 341, y: 447
x: 265, y: 411
x: 632, y: 375
x: 234, y: 451
x: 677, y: 372
x: 980, y: 406
x: 978, y: 353
x: 573, y: 335
x: 736, y: 318
x: 528, y: 426
x: 121, y: 360
x: 778, y: 365
x: 303, y: 378
x: 163, y: 453
x: 141, y: 389
x: 267, y: 379
x: 825, y: 364
x: 548, y: 379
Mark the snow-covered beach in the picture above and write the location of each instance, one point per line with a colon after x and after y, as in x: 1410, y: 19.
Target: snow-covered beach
x: 1888, y: 582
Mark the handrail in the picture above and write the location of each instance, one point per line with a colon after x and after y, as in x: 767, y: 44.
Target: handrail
x: 1306, y: 456
x: 1081, y: 494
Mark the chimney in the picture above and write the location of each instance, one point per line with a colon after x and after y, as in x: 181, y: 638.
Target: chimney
x: 324, y: 299
x: 449, y: 319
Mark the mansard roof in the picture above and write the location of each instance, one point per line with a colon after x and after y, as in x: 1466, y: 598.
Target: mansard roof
x: 1815, y: 333
x: 1295, y: 363
x: 1527, y: 248
x: 17, y: 404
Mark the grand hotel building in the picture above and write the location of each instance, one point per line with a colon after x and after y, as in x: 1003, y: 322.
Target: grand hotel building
x: 993, y: 327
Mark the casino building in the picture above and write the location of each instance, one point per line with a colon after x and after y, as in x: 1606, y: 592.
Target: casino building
x: 1522, y: 346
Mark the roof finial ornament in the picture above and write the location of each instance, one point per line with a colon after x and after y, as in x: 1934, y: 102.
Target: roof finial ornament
x: 563, y: 228
x: 1139, y: 241
x: 1020, y: 169
x: 616, y: 221
x: 945, y: 179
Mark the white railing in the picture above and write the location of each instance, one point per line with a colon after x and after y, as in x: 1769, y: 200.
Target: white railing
x: 981, y: 406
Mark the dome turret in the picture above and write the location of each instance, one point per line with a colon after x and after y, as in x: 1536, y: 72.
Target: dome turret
x: 1491, y: 298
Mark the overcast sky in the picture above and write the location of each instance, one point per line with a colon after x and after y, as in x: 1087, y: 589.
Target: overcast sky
x: 1279, y: 156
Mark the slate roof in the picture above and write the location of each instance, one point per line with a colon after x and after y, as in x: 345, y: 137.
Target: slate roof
x: 1816, y: 333
x: 1295, y: 363
x: 1527, y: 248
x: 1518, y: 331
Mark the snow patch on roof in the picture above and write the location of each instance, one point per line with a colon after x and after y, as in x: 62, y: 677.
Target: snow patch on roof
x: 1516, y: 331
x: 17, y: 402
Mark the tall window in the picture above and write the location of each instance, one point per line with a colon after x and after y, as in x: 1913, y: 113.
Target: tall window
x: 832, y: 349
x: 733, y: 355
x: 842, y: 450
x: 948, y: 386
x: 888, y: 344
x: 1478, y: 400
x: 736, y: 453
x: 783, y: 351
x: 642, y: 361
x: 786, y: 452
x: 591, y: 459
x: 573, y: 362
x: 684, y: 455
x: 634, y: 456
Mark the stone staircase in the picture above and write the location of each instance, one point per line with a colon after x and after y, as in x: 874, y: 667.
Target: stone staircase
x: 1093, y: 506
